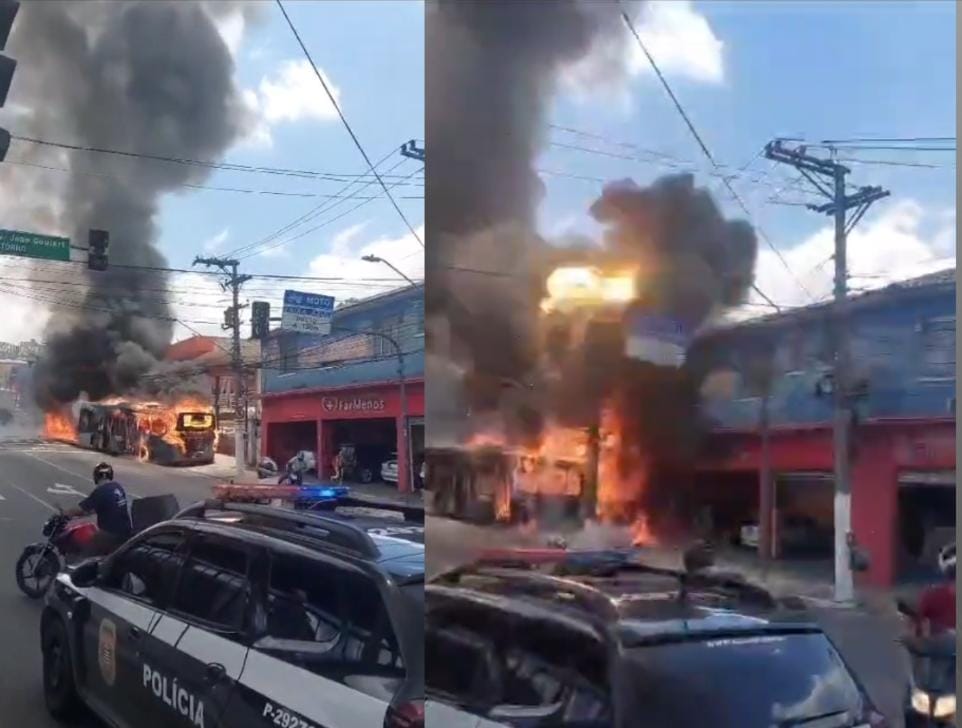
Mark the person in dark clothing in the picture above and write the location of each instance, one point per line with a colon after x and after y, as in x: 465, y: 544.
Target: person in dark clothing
x: 109, y: 501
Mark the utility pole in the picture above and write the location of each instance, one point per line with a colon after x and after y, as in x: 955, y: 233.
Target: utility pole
x: 234, y: 282
x: 412, y: 151
x: 828, y: 177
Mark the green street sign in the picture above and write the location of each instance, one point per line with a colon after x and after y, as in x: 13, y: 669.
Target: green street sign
x: 32, y: 245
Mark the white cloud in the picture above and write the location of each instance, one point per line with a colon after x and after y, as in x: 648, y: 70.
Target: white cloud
x: 680, y: 39
x: 888, y: 248
x: 291, y: 94
x: 215, y: 242
x: 345, y: 261
x: 231, y: 28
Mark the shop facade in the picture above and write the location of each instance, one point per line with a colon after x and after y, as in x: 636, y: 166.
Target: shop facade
x: 369, y: 417
x: 320, y: 393
x: 902, y: 458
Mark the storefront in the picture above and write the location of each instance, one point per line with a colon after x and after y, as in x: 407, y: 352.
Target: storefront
x: 369, y: 417
x: 903, y: 486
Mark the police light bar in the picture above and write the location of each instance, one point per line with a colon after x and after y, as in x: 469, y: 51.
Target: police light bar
x: 523, y: 556
x: 323, y: 492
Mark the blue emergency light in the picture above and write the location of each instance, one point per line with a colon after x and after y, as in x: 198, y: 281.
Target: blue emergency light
x: 322, y: 492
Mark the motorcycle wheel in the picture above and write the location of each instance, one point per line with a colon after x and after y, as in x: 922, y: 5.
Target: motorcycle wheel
x: 36, y: 569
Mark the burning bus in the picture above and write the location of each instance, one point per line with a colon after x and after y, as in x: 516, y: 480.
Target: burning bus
x: 184, y: 433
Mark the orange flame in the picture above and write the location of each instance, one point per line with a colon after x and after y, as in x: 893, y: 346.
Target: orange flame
x: 557, y: 466
x: 58, y: 426
x: 163, y: 421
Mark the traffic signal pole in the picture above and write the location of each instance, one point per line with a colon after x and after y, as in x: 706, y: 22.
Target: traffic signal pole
x: 828, y: 177
x: 234, y: 282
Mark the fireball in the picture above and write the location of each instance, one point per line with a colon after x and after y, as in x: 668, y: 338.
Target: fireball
x: 573, y: 287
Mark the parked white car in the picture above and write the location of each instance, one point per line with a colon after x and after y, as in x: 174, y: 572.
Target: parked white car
x: 389, y: 471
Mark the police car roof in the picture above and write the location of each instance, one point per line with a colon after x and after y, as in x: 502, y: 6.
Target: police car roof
x: 367, y: 538
x: 635, y: 602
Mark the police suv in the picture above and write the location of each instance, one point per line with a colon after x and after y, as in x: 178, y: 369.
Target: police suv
x: 532, y: 639
x: 236, y: 615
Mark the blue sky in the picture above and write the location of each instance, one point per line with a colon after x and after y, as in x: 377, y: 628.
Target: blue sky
x: 749, y: 71
x: 372, y: 53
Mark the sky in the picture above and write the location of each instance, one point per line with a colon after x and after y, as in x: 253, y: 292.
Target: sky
x: 372, y: 56
x: 747, y: 72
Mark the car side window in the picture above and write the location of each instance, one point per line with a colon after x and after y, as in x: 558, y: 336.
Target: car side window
x: 491, y: 664
x: 148, y: 569
x: 213, y: 585
x: 329, y: 620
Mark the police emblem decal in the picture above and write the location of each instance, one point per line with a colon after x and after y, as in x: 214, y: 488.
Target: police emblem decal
x: 107, y: 651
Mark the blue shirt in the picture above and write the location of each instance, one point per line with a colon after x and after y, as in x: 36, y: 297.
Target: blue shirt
x: 109, y: 501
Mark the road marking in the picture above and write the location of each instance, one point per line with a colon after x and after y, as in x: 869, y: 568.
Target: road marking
x: 54, y: 465
x: 27, y: 493
x: 61, y: 489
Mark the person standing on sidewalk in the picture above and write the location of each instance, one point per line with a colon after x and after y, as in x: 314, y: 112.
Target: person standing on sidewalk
x: 937, y: 602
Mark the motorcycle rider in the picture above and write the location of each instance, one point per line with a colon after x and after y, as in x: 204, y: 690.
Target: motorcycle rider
x: 296, y: 467
x: 937, y: 602
x: 109, y: 501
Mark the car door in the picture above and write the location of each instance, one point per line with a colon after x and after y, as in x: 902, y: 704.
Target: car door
x: 123, y: 606
x: 199, y: 644
x: 326, y: 654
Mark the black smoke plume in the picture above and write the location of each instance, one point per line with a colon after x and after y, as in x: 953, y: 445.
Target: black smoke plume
x: 492, y: 68
x: 149, y: 76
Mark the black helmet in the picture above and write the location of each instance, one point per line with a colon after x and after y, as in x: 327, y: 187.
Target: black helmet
x: 103, y: 472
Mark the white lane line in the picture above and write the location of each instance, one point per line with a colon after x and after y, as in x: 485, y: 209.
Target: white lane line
x: 27, y: 493
x: 61, y: 489
x: 70, y: 472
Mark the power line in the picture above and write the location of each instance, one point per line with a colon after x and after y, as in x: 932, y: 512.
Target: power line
x: 708, y: 154
x: 347, y: 126
x: 266, y: 276
x: 209, y: 188
x: 314, y: 229
x: 318, y: 210
x: 223, y: 166
x: 893, y: 140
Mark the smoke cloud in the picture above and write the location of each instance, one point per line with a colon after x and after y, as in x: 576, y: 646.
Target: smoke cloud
x: 145, y: 76
x: 492, y: 69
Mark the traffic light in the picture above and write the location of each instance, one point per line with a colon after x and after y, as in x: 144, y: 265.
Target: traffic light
x: 97, y: 242
x: 260, y: 319
x: 8, y: 11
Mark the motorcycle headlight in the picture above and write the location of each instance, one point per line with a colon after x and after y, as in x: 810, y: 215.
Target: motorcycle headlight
x: 942, y: 706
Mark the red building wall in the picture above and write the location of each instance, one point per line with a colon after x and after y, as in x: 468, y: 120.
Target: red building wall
x: 371, y: 401
x: 883, y: 448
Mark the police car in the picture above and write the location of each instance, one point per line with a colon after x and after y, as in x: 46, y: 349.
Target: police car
x: 237, y: 614
x: 532, y: 638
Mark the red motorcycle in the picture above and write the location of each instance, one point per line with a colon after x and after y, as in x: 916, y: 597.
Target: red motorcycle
x: 40, y: 562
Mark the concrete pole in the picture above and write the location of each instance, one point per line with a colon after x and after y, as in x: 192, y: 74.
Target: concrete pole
x: 844, y: 585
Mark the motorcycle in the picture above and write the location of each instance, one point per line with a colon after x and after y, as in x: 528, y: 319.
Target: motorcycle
x: 930, y: 702
x: 40, y: 562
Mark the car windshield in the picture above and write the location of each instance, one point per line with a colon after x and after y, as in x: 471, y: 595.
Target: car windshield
x: 794, y: 680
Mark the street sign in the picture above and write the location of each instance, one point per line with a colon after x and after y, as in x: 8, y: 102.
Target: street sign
x: 656, y: 339
x: 309, y: 313
x: 32, y: 245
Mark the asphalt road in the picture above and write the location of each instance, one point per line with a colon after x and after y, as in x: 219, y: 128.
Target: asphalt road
x: 34, y: 478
